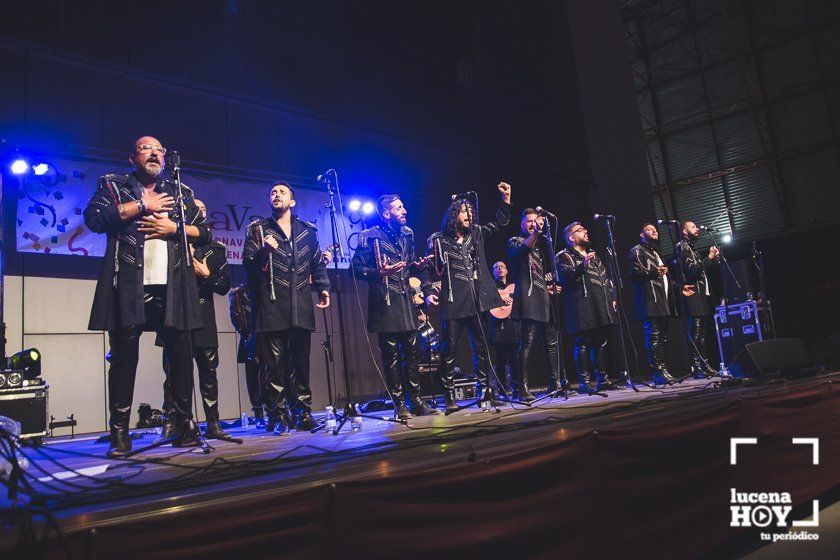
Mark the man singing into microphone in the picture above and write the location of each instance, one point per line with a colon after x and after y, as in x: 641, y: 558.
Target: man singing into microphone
x: 467, y: 289
x: 384, y: 258
x: 590, y: 303
x: 281, y: 253
x: 142, y: 286
x: 532, y: 298
x: 654, y: 298
x: 698, y: 307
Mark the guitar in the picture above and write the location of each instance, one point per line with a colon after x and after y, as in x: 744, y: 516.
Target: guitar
x: 503, y: 312
x: 417, y: 297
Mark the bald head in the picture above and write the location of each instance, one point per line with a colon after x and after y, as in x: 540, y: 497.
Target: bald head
x: 201, y: 208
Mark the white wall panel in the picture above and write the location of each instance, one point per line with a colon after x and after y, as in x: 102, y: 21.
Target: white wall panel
x: 57, y: 305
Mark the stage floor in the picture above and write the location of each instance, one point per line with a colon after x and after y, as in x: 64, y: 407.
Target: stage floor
x: 83, y: 489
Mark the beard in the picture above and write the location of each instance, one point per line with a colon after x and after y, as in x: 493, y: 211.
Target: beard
x: 653, y: 243
x: 152, y: 169
x: 584, y: 243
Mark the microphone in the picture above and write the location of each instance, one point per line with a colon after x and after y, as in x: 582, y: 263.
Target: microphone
x: 541, y: 210
x: 660, y: 222
x: 324, y: 177
x: 173, y: 158
x: 706, y: 228
x: 604, y: 217
x: 463, y: 195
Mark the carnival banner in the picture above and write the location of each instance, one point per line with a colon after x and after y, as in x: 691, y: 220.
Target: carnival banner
x: 50, y: 221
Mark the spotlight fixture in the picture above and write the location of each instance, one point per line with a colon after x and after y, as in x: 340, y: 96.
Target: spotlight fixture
x: 40, y: 169
x: 29, y: 361
x: 727, y: 238
x: 367, y: 208
x: 19, y: 166
x: 354, y: 205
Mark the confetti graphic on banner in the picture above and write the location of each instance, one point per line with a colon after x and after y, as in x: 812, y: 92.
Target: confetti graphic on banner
x: 56, y: 214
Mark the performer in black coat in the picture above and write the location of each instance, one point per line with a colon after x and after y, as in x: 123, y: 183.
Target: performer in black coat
x: 655, y: 298
x: 533, y: 308
x: 505, y: 333
x: 281, y: 253
x: 467, y: 289
x: 699, y: 308
x: 142, y: 286
x: 590, y: 304
x: 385, y: 259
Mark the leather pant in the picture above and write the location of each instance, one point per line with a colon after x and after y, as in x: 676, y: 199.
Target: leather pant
x: 591, y: 352
x: 254, y: 384
x: 532, y: 332
x: 125, y: 349
x: 285, y: 358
x: 400, y: 354
x: 697, y: 328
x: 656, y: 339
x: 451, y: 336
x: 207, y: 361
x: 506, y: 354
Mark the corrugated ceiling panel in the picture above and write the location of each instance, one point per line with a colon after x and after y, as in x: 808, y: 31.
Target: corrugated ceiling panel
x: 738, y: 139
x: 656, y: 171
x: 690, y: 152
x: 680, y: 98
x: 702, y: 203
x: 788, y: 64
x: 812, y: 186
x: 725, y: 84
x: 755, y: 207
x: 800, y: 121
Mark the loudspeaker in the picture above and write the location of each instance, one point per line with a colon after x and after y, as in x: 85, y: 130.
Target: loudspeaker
x: 827, y: 353
x: 786, y: 357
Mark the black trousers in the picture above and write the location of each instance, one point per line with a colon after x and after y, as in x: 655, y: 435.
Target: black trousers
x: 452, y: 330
x: 506, y: 354
x: 591, y: 351
x: 697, y: 329
x: 534, y: 333
x: 125, y: 348
x: 285, y: 358
x: 656, y: 340
x: 207, y: 362
x: 254, y: 384
x: 400, y: 354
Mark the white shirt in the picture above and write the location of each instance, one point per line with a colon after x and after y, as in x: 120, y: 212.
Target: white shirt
x: 155, y: 261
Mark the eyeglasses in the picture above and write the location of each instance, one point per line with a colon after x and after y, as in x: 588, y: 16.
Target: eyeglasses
x: 148, y: 148
x: 578, y: 230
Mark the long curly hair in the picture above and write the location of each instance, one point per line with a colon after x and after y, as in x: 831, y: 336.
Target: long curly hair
x: 449, y: 223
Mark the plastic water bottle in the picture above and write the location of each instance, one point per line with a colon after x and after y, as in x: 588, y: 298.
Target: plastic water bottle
x: 355, y: 418
x: 245, y: 424
x: 329, y: 421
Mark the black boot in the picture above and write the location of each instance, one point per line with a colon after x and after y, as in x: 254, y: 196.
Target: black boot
x: 401, y: 411
x: 585, y: 386
x: 214, y: 430
x: 449, y: 397
x: 420, y: 408
x: 280, y: 422
x: 188, y: 432
x: 170, y: 426
x: 488, y: 394
x: 305, y: 421
x: 120, y: 444
x: 603, y: 380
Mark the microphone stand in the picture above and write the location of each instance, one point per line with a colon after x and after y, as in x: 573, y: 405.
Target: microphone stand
x: 351, y: 408
x: 615, y: 276
x: 563, y: 389
x: 723, y: 370
x: 187, y: 275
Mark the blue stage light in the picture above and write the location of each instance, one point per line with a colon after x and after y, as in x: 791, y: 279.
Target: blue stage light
x: 367, y: 208
x: 40, y: 169
x: 19, y: 167
x: 354, y: 205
